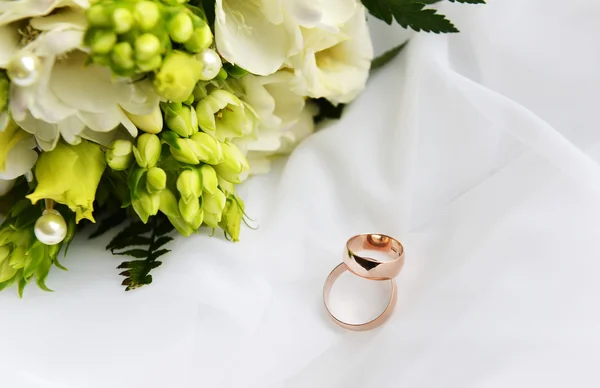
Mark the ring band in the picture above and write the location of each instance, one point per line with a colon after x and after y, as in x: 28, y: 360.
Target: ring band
x: 333, y: 276
x: 369, y: 268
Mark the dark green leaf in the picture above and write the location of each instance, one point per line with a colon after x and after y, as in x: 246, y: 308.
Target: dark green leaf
x: 410, y: 13
x: 159, y: 253
x: 161, y: 241
x: 468, y: 1
x: 130, y: 241
x: 112, y: 221
x: 386, y: 57
x: 137, y: 253
x: 327, y: 110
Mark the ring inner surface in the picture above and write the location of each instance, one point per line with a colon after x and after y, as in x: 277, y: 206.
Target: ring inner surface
x: 386, y: 245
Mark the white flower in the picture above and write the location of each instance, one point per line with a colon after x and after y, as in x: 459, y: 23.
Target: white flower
x: 73, y: 99
x: 259, y: 35
x: 335, y: 66
x: 285, y: 118
x: 13, y: 10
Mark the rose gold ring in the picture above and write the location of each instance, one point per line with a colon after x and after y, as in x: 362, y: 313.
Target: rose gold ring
x: 369, y: 268
x: 333, y: 276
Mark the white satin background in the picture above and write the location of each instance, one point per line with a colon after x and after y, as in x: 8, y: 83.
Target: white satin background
x: 478, y: 150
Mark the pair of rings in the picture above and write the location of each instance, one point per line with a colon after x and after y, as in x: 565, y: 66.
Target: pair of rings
x: 368, y: 268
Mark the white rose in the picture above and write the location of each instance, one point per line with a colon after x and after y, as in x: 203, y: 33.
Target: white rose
x: 285, y: 118
x: 72, y: 99
x: 259, y: 35
x: 335, y: 66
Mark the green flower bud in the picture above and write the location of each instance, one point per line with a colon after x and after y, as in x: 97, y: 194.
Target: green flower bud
x: 234, y: 165
x: 4, y: 89
x: 120, y: 155
x: 122, y: 20
x: 147, y: 46
x: 186, y: 151
x: 181, y: 28
x: 189, y: 210
x: 169, y: 206
x: 201, y: 39
x: 208, y: 148
x: 171, y: 108
x: 189, y: 185
x: 212, y: 219
x: 150, y: 123
x: 146, y: 14
x: 178, y: 76
x: 147, y: 151
x: 185, y: 123
x: 210, y: 181
x: 151, y: 64
x: 98, y: 16
x: 156, y: 179
x: 214, y: 203
x: 122, y: 56
x: 225, y: 116
x: 232, y: 217
x: 103, y: 41
x: 146, y: 205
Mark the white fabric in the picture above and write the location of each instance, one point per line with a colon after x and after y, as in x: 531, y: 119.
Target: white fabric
x: 479, y: 151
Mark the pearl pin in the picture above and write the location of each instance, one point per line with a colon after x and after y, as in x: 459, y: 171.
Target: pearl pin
x: 50, y: 228
x: 211, y: 64
x: 24, y: 69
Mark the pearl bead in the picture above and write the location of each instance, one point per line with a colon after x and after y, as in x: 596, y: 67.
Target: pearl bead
x: 211, y: 64
x: 50, y: 228
x: 24, y: 69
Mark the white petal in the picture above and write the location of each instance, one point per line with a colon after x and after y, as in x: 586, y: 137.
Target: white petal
x: 56, y: 42
x: 9, y: 43
x: 102, y: 122
x: 70, y: 129
x: 5, y: 186
x: 246, y: 38
x: 72, y: 81
x: 66, y: 18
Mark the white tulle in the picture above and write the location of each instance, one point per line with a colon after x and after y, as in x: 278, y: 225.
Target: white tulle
x: 478, y: 150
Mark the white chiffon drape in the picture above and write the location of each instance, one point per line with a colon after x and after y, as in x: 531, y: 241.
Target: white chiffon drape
x: 478, y: 150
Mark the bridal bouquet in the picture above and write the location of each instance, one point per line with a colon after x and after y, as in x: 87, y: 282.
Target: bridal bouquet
x: 148, y: 113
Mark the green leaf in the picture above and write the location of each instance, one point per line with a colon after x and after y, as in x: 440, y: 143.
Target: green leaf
x: 34, y: 257
x: 410, y: 14
x: 22, y: 284
x: 41, y: 273
x: 386, y: 57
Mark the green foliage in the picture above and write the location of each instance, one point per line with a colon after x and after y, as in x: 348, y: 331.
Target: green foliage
x: 144, y: 242
x: 22, y: 256
x: 327, y: 110
x: 414, y: 14
x: 386, y: 57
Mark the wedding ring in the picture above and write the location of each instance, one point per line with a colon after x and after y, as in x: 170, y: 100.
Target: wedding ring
x: 368, y: 268
x: 333, y: 276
